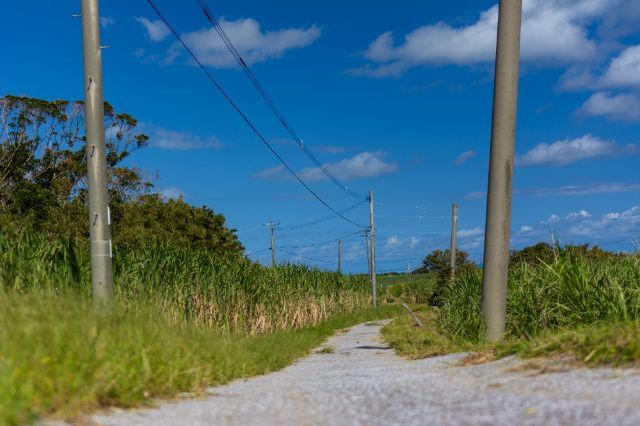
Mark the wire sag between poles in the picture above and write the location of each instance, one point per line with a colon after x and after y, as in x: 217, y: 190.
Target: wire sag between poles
x: 263, y: 93
x: 244, y: 117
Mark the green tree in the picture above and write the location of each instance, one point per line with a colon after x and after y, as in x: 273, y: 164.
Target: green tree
x: 438, y: 262
x: 43, y: 180
x: 42, y: 154
x: 533, y: 255
x: 544, y: 253
x: 151, y: 220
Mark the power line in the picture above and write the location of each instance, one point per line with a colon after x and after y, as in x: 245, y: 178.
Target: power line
x: 252, y: 253
x: 245, y: 118
x: 324, y: 218
x: 304, y: 257
x: 306, y: 224
x: 248, y: 230
x: 263, y: 93
x: 325, y: 242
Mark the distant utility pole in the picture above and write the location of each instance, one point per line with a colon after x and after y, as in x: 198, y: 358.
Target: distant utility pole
x: 505, y: 102
x: 373, y: 250
x: 272, y: 231
x: 554, y: 245
x: 339, y: 256
x: 453, y: 250
x: 99, y: 214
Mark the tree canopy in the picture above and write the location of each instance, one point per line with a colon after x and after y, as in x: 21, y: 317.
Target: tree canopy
x: 438, y: 261
x: 43, y: 180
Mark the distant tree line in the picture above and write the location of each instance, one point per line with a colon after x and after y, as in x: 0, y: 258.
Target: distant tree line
x: 43, y: 181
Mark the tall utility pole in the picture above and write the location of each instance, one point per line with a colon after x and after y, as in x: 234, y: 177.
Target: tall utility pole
x: 99, y: 215
x: 453, y: 249
x: 505, y: 102
x: 272, y: 231
x: 373, y: 250
x: 339, y: 256
x: 366, y: 244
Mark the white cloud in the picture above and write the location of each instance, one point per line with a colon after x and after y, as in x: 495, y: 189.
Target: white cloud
x: 581, y: 230
x: 622, y: 107
x: 613, y: 229
x: 413, y: 242
x: 526, y: 229
x: 465, y: 156
x: 569, y: 190
x: 553, y: 32
x: 156, y: 30
x: 393, y: 241
x: 472, y: 245
x: 171, y: 139
x: 363, y: 165
x: 598, y: 188
x: 106, y: 21
x: 252, y: 43
x: 470, y: 233
x: 582, y: 214
x: 331, y: 149
x: 624, y: 70
x: 554, y: 218
x: 572, y: 150
x: 577, y: 78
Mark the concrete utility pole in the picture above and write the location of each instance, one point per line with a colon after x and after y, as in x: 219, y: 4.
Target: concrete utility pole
x: 339, y: 256
x: 272, y: 230
x: 366, y: 244
x: 554, y: 245
x: 99, y: 215
x: 373, y: 250
x: 505, y: 102
x: 453, y: 249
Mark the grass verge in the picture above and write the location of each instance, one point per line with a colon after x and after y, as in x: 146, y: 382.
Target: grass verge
x: 58, y: 359
x: 583, y: 306
x: 414, y: 342
x: 605, y: 344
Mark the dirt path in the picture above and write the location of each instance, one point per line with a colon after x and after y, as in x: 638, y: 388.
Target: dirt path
x: 362, y: 382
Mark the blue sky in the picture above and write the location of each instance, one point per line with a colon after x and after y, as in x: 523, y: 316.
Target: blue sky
x: 397, y: 100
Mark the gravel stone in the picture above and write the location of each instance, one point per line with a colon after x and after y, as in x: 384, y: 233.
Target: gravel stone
x: 362, y: 382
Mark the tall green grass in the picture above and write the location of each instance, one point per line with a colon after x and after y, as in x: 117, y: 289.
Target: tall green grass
x: 571, y: 292
x: 232, y: 294
x: 410, y: 288
x: 57, y: 358
x: 183, y: 320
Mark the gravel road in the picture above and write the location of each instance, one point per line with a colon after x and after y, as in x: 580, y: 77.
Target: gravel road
x: 362, y: 382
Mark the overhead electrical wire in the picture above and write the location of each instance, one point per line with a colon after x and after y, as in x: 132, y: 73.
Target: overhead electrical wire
x: 309, y: 223
x: 304, y: 257
x: 263, y: 93
x: 324, y: 218
x: 325, y: 242
x: 252, y: 253
x: 245, y: 118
